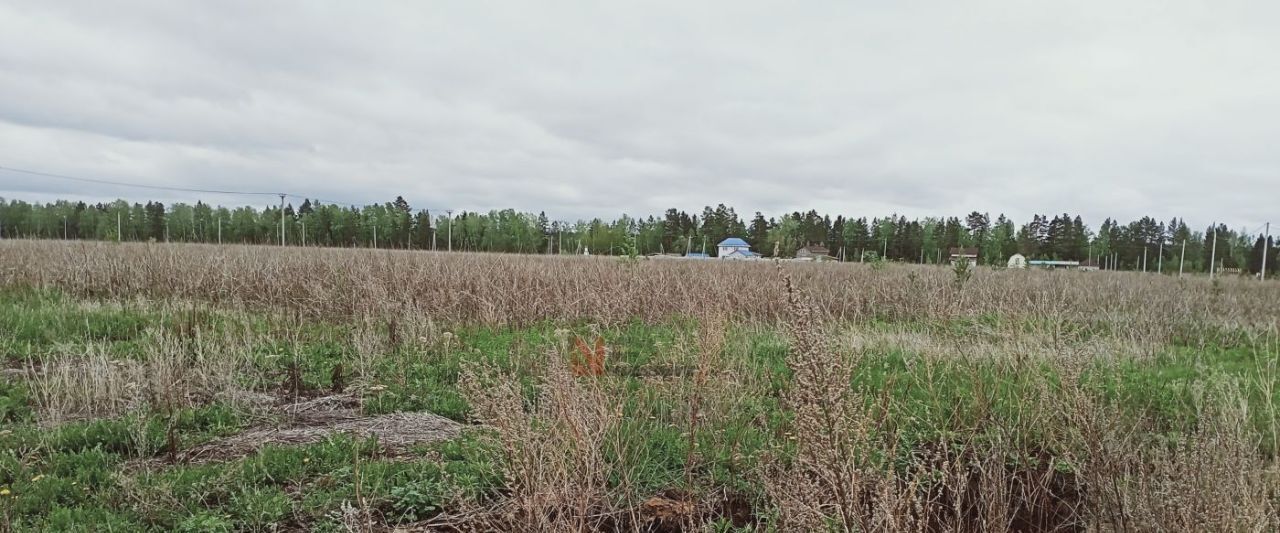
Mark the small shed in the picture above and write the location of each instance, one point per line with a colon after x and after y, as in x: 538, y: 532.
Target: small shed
x: 814, y: 252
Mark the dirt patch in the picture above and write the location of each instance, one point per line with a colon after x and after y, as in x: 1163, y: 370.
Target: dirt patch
x: 317, y: 419
x: 15, y: 368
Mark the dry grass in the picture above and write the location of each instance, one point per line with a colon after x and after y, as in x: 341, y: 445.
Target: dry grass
x: 510, y: 289
x: 557, y: 468
x: 174, y: 372
x: 1062, y: 458
x: 1115, y: 477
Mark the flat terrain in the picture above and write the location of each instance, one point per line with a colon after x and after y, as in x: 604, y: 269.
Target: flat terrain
x: 206, y: 388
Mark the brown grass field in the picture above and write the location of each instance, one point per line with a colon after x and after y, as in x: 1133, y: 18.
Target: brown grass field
x: 256, y: 388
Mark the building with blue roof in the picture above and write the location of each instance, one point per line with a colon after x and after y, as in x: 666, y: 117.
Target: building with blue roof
x: 735, y: 248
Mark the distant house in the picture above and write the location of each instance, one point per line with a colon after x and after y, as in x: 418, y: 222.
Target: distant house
x: 814, y: 252
x: 1054, y: 264
x: 735, y: 248
x: 741, y: 254
x: 955, y: 255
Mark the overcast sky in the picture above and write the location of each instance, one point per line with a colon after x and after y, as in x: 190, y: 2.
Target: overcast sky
x: 1103, y: 108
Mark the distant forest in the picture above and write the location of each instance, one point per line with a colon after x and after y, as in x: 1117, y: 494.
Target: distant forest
x: 396, y: 225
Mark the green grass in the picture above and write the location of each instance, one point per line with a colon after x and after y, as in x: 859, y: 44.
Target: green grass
x: 85, y: 476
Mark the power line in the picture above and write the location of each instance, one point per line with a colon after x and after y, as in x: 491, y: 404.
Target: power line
x: 137, y: 185
x: 179, y: 189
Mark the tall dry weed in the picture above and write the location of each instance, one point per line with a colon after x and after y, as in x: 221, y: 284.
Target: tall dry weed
x: 553, y: 447
x: 172, y: 373
x: 824, y: 482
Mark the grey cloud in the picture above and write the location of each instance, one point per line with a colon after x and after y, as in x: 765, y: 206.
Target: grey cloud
x: 861, y: 108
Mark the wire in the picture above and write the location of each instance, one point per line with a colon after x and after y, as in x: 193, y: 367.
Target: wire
x: 179, y: 189
x: 136, y: 185
x: 323, y: 201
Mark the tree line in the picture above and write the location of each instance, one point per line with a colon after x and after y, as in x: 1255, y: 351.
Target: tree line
x: 396, y: 225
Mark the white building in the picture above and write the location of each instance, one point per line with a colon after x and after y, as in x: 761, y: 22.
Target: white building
x: 735, y: 248
x: 1017, y: 261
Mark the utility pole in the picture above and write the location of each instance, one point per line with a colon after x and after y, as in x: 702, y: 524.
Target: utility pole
x: 1213, y: 253
x: 375, y: 234
x: 450, y: 212
x: 704, y: 245
x: 119, y: 234
x: 304, y: 234
x: 64, y: 228
x: 219, y: 230
x: 1266, y: 243
x: 1144, y: 259
x: 1160, y: 260
x: 1183, y: 259
x: 282, y: 220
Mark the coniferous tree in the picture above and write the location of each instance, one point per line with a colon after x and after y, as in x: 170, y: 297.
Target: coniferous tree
x: 1063, y: 236
x: 758, y: 234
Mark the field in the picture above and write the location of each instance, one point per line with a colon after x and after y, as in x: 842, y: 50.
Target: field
x: 234, y: 388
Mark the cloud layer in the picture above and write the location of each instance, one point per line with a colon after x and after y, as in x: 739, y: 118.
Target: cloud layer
x: 1165, y: 108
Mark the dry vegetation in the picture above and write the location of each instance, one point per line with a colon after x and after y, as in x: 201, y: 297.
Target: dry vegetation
x: 499, y: 289
x: 744, y: 396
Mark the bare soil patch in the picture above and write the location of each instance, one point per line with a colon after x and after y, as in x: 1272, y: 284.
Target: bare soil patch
x: 317, y: 419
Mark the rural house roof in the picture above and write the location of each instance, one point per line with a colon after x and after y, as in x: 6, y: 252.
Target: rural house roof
x: 733, y: 241
x: 963, y: 252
